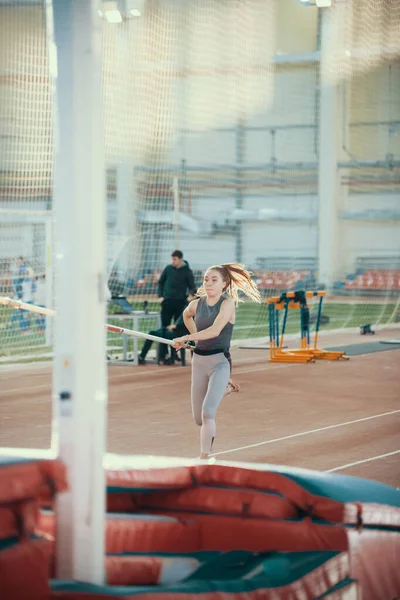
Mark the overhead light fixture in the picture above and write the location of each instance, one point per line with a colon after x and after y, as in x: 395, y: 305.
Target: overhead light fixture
x: 319, y: 3
x: 113, y: 16
x: 116, y: 11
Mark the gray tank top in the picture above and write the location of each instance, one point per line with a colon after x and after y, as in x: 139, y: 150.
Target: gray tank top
x: 205, y: 317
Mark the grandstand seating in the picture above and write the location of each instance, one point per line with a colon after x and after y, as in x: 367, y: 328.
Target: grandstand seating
x: 380, y: 280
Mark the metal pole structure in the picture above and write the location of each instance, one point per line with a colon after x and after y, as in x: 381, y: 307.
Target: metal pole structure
x: 317, y: 90
x: 126, y: 225
x: 126, y: 177
x: 175, y: 191
x: 49, y: 278
x: 240, y: 157
x: 52, y: 58
x: 80, y: 383
x: 327, y: 171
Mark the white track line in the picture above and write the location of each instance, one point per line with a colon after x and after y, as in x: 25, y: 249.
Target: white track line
x: 155, y: 373
x: 360, y: 462
x: 128, y: 388
x: 33, y: 387
x: 311, y: 431
x: 240, y: 370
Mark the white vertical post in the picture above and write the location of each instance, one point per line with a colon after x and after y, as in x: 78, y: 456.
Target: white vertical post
x: 79, y: 388
x: 175, y: 191
x: 327, y: 169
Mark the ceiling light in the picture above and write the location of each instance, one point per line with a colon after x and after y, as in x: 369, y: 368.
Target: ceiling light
x: 113, y: 16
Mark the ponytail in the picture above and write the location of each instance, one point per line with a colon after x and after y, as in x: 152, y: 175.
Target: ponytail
x: 236, y: 277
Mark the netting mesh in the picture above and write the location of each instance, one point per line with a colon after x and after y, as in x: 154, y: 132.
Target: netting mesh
x: 362, y: 35
x: 192, y: 65
x: 25, y: 108
x: 213, y: 114
x: 26, y: 165
x: 177, y: 72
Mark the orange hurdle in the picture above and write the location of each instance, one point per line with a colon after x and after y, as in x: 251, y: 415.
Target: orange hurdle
x: 305, y: 354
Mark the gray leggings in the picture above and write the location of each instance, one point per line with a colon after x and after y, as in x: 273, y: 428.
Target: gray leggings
x: 210, y: 376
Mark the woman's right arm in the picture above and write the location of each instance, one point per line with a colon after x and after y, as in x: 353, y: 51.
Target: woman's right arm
x: 188, y: 316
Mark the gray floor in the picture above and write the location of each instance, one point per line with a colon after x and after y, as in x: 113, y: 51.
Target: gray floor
x: 365, y: 348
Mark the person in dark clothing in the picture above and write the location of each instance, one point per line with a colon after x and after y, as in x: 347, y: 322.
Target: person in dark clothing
x: 169, y: 332
x: 173, y: 286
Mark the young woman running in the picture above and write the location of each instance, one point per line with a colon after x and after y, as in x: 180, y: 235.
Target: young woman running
x: 210, y: 320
